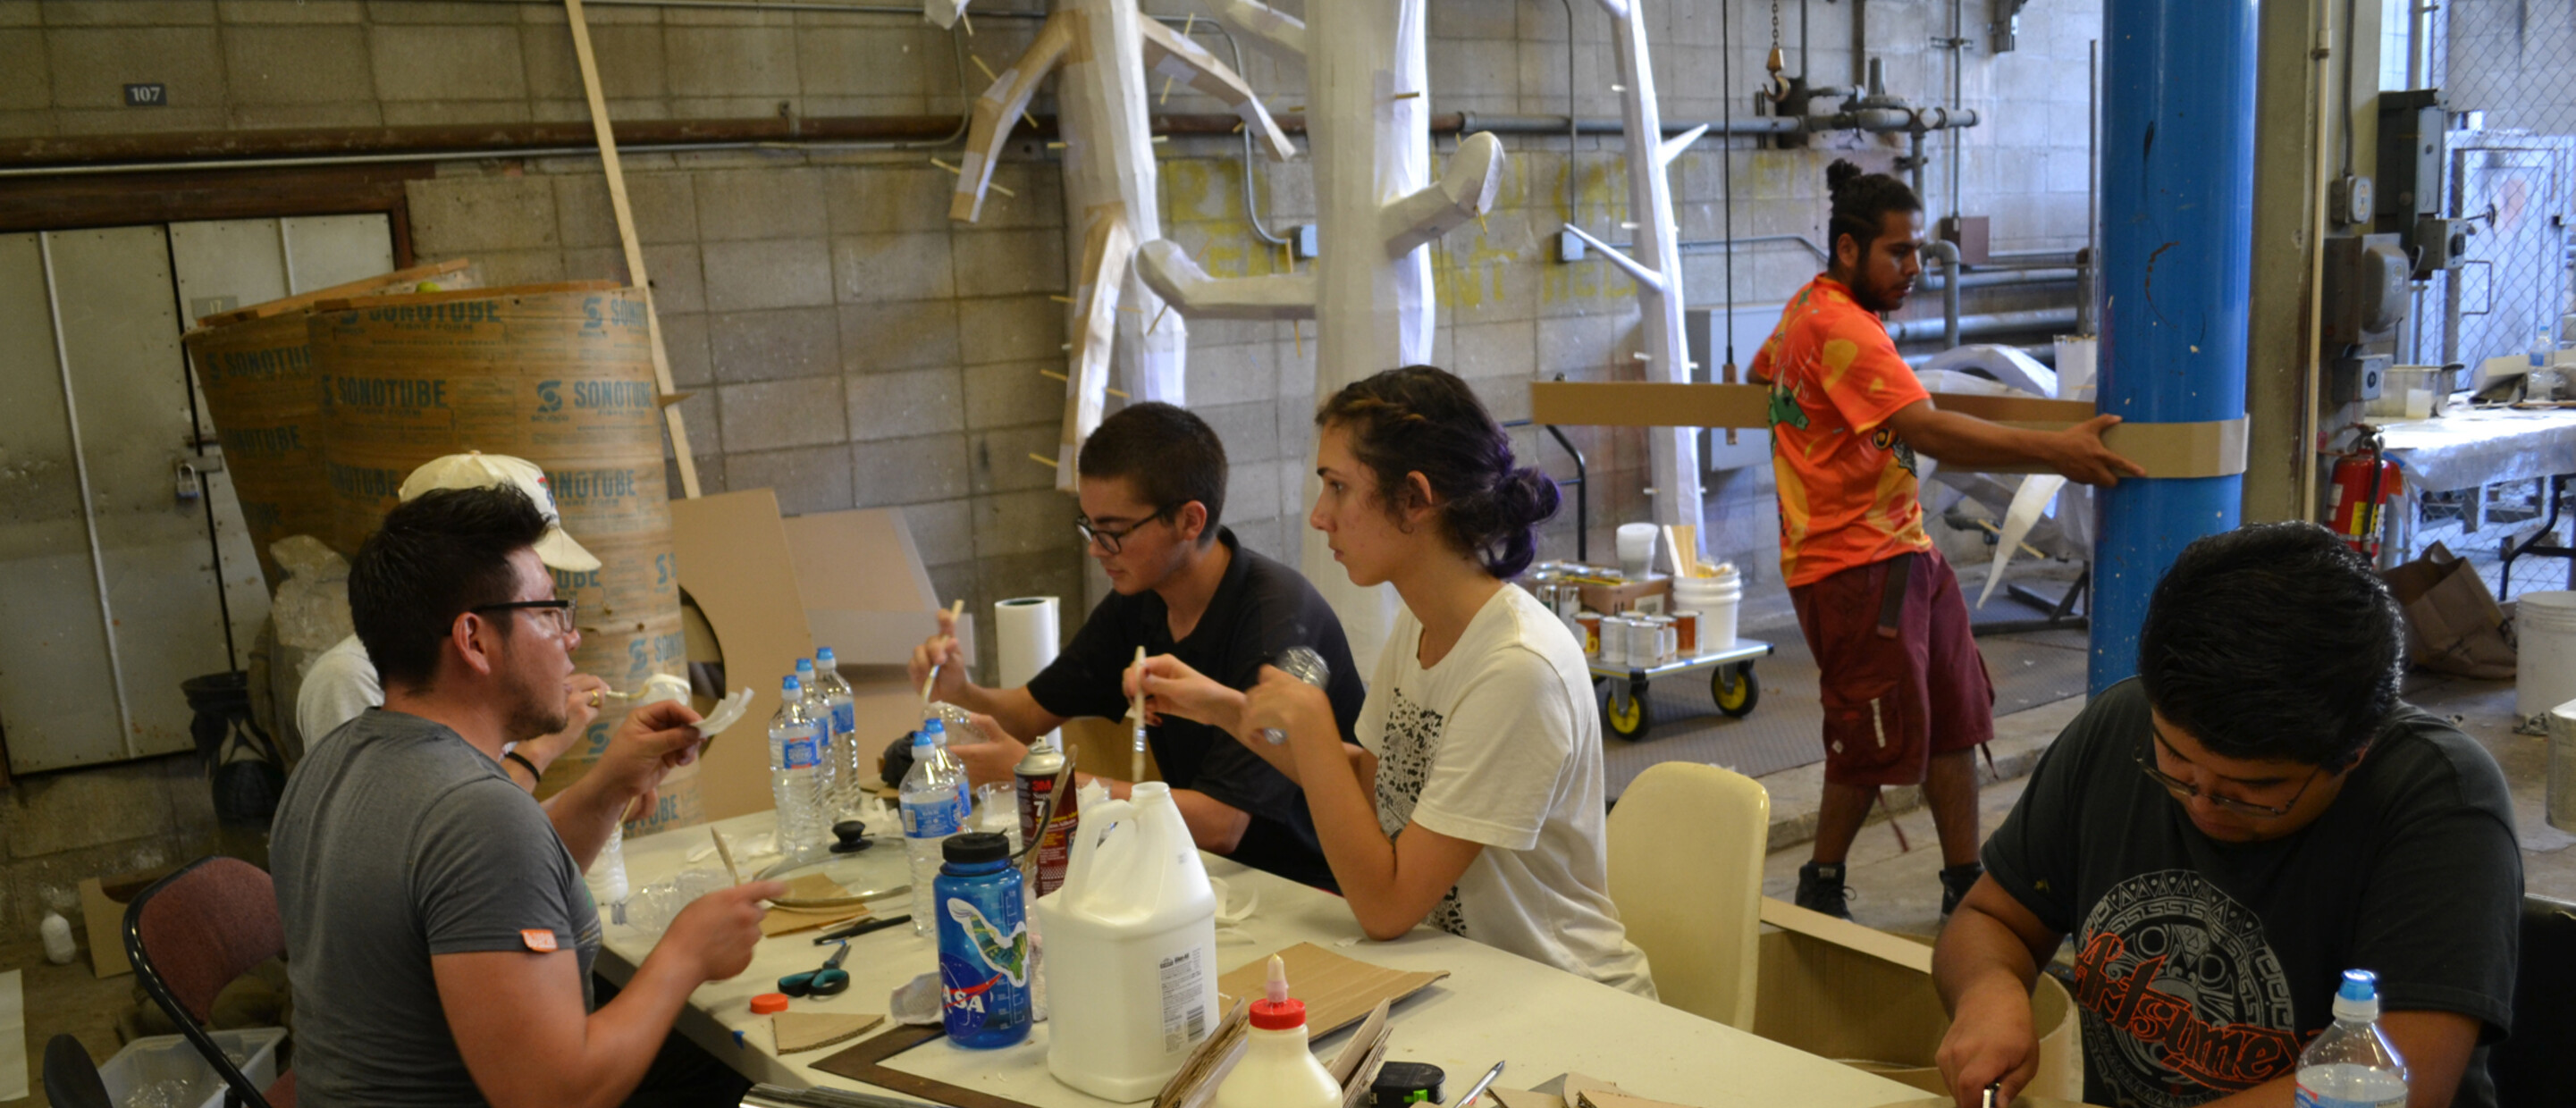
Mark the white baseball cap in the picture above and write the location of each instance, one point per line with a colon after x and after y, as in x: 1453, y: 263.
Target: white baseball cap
x: 478, y: 470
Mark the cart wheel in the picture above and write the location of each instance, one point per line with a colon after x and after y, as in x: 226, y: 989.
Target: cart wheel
x: 1734, y: 689
x: 1632, y: 723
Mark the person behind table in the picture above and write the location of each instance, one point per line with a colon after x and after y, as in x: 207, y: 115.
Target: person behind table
x: 1473, y: 801
x: 438, y: 933
x: 2229, y: 831
x: 1906, y: 696
x: 342, y: 682
x: 1152, y: 485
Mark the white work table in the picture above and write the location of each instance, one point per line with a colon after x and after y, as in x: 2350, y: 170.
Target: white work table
x: 1493, y: 1006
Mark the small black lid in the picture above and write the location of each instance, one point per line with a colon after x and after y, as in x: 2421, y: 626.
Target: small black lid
x: 976, y: 846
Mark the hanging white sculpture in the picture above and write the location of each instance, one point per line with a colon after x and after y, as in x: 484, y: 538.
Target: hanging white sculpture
x: 1657, y: 265
x: 1101, y: 52
x: 1368, y: 127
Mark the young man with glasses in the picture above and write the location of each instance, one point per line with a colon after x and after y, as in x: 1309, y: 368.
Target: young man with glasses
x: 1152, y: 492
x: 342, y: 682
x: 2225, y: 834
x: 438, y: 932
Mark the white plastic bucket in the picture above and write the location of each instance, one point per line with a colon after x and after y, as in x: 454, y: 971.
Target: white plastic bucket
x: 2545, y: 672
x: 1131, y: 949
x: 2561, y: 798
x: 1717, y: 600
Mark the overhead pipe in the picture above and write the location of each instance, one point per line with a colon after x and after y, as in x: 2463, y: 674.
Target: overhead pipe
x: 1996, y: 278
x: 2177, y: 211
x: 1979, y: 326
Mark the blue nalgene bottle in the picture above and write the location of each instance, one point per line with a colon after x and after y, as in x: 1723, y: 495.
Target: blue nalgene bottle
x: 984, y: 952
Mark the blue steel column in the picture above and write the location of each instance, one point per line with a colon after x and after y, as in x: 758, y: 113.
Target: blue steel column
x: 2177, y: 230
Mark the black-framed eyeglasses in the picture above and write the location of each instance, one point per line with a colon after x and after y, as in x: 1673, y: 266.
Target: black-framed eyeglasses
x: 2185, y: 790
x: 561, y: 611
x: 1109, y: 540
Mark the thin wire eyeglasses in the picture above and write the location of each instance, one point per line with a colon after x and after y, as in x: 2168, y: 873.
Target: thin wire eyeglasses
x: 561, y: 611
x: 2186, y: 790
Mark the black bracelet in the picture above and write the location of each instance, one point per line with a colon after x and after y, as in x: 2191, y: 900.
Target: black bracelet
x: 534, y: 774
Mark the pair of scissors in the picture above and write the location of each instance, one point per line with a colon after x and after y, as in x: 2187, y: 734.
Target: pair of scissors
x: 830, y: 980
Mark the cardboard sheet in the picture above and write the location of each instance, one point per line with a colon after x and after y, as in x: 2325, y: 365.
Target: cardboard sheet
x: 104, y: 920
x: 799, y: 1031
x: 1338, y: 991
x: 735, y: 562
x: 2214, y: 448
x: 1834, y: 988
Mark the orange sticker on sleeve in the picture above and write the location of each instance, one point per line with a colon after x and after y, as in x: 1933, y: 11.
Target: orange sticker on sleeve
x: 539, y: 939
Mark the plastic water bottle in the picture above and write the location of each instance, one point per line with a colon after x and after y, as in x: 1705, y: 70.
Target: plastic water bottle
x: 2351, y: 1065
x: 934, y: 808
x: 849, y: 768
x: 827, y: 762
x: 795, y: 760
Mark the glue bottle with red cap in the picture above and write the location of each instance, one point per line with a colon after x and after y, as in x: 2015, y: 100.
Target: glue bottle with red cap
x: 1276, y: 1070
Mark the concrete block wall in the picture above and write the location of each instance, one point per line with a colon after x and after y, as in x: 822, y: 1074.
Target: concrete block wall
x: 848, y: 346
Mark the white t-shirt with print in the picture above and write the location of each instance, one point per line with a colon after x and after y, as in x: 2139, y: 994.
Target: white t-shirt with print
x: 1498, y: 744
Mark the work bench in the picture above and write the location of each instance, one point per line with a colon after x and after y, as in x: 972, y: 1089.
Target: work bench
x: 1493, y: 1006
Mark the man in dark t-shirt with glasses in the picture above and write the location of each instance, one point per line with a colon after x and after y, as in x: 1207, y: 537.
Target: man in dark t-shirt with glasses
x: 2226, y: 834
x: 1152, y: 489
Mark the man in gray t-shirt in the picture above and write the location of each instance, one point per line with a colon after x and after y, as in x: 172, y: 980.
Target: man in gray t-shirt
x: 437, y: 928
x: 430, y: 850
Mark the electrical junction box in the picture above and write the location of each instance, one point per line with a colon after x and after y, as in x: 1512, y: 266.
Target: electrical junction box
x: 2357, y: 378
x: 2440, y: 244
x: 2365, y: 288
x: 2351, y: 200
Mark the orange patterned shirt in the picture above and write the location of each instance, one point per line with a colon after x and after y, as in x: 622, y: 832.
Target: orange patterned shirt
x: 1848, y: 496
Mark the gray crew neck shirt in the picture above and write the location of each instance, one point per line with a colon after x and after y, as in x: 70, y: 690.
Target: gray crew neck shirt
x: 396, y: 841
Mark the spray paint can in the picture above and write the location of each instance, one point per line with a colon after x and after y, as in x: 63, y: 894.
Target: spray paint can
x: 1037, y: 775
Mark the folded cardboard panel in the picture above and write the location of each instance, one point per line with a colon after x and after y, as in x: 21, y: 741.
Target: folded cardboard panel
x: 2212, y: 448
x: 734, y: 562
x: 1865, y: 998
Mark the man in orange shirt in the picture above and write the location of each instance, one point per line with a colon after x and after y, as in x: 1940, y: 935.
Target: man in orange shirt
x: 1906, y: 696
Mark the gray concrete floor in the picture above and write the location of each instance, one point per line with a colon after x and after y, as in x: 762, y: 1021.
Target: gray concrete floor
x: 1900, y: 891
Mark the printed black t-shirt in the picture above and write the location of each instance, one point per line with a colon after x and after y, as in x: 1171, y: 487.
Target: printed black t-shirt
x: 1260, y: 608
x: 2203, y: 967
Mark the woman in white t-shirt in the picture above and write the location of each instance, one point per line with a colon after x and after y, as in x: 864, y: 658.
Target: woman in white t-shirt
x: 1473, y: 798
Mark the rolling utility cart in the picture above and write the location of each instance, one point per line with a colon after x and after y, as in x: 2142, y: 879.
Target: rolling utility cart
x: 1730, y: 683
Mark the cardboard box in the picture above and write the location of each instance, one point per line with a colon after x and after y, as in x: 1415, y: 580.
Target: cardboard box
x: 1650, y: 595
x: 1837, y: 989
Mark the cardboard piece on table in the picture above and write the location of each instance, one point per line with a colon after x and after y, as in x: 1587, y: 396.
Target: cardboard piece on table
x: 1596, y: 1098
x: 866, y: 590
x: 2211, y: 448
x: 1356, y: 1066
x: 1338, y: 991
x: 868, y: 597
x: 735, y: 563
x: 800, y: 1031
x: 788, y: 921
x: 1196, y: 1082
x: 864, y: 1063
x: 1523, y: 1098
x: 1834, y: 988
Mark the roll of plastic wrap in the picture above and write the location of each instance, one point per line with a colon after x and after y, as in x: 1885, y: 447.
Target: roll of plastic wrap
x: 1025, y: 631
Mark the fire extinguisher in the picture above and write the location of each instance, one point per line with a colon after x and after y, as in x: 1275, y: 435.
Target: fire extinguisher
x: 2365, y: 480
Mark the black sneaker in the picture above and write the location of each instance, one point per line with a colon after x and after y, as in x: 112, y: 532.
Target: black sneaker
x: 1955, y: 883
x: 1821, y: 889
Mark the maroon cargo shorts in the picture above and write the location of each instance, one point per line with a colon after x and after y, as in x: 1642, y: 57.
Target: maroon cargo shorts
x: 1901, y: 676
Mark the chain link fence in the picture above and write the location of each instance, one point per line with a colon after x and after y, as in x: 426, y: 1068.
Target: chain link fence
x: 2507, y: 74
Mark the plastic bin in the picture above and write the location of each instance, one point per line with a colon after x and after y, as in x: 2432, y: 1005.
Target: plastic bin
x: 146, y: 1062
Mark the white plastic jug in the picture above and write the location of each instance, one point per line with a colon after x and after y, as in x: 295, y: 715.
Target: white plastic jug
x: 1131, y: 949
